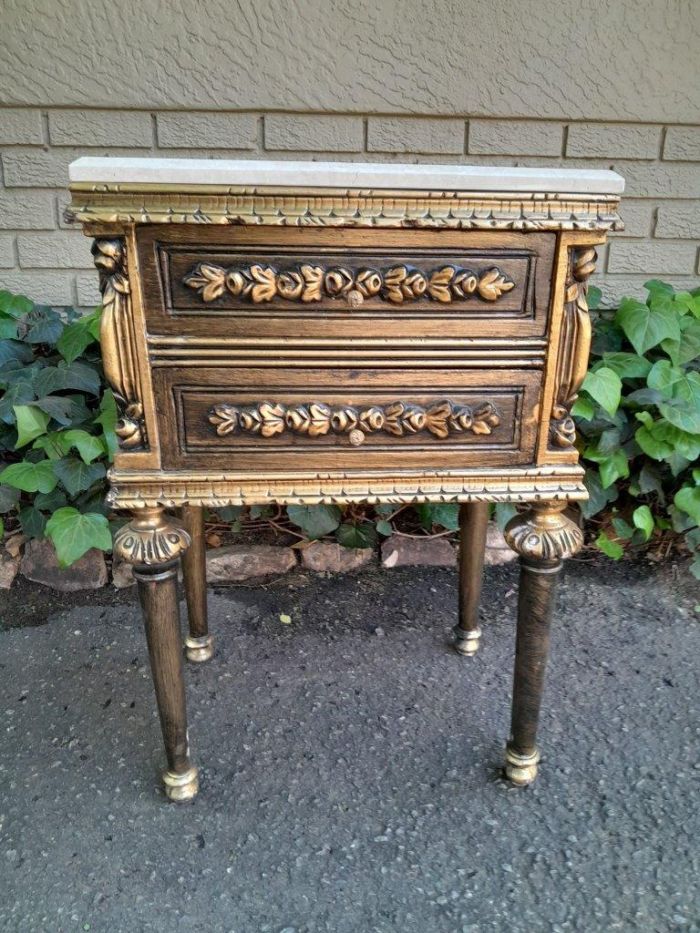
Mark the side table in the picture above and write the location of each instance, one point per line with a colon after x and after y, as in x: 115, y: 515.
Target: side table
x: 299, y: 332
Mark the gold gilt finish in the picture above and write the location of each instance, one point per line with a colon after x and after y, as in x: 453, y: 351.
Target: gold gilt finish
x: 544, y: 533
x: 118, y: 340
x: 316, y: 419
x: 150, y: 539
x: 452, y: 210
x: 224, y: 332
x: 574, y: 346
x: 308, y: 283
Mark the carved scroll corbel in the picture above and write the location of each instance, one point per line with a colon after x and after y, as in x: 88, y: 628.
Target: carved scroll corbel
x: 118, y: 341
x: 574, y: 345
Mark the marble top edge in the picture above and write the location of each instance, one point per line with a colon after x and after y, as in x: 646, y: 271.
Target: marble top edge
x: 343, y: 175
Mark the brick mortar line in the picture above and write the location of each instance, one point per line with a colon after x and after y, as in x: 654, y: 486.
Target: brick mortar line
x: 64, y: 108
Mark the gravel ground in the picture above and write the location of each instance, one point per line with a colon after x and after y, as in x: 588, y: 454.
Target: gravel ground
x: 350, y: 765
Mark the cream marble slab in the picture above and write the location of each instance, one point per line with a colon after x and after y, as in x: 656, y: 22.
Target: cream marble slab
x: 344, y: 175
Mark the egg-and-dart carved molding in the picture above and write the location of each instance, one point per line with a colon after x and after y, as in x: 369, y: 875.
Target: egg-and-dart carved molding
x: 315, y: 419
x: 307, y: 283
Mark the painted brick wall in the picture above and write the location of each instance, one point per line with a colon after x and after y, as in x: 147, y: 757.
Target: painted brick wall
x: 43, y: 258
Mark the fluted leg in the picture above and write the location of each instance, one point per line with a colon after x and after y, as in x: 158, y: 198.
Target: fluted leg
x: 199, y: 644
x: 542, y: 537
x: 473, y: 522
x: 154, y: 543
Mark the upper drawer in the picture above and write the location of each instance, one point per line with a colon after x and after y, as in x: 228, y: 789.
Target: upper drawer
x: 296, y: 281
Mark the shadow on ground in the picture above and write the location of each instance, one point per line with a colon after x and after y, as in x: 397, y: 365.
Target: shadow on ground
x: 350, y: 765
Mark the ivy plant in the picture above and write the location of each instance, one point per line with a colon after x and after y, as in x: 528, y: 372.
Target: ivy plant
x: 638, y: 419
x: 56, y: 426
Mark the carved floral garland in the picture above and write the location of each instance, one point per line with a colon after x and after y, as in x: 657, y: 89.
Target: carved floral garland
x: 315, y: 419
x: 308, y: 283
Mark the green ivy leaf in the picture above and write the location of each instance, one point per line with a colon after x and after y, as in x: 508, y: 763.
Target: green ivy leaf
x: 315, y: 520
x: 687, y: 499
x: 74, y: 340
x: 31, y: 422
x: 73, y: 533
x: 503, y: 512
x: 356, y: 534
x: 627, y: 365
x: 15, y: 305
x: 646, y: 328
x: 8, y: 329
x: 50, y: 501
x: 604, y: 387
x: 613, y: 467
x: 622, y: 528
x: 230, y: 513
x: 661, y: 440
x: 45, y: 326
x: 9, y: 497
x: 598, y: 497
x: 88, y: 446
x: 384, y: 528
x: 445, y: 514
x: 76, y: 475
x: 15, y: 350
x: 644, y: 520
x: 593, y: 297
x: 609, y: 547
x: 33, y: 521
x: 583, y: 408
x: 30, y: 477
x: 681, y: 391
x: 107, y: 418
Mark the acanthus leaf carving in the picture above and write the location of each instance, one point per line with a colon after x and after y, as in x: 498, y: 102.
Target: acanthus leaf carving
x: 309, y: 283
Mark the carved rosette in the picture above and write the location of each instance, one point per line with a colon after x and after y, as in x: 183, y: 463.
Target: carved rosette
x: 151, y: 538
x: 118, y: 342
x: 574, y: 344
x: 315, y: 419
x: 544, y: 533
x: 307, y: 283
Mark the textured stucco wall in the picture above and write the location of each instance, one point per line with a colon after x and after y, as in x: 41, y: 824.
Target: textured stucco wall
x: 612, y: 83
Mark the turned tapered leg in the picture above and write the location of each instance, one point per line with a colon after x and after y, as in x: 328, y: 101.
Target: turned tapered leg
x: 199, y: 644
x: 473, y: 522
x: 542, y: 537
x: 153, y: 544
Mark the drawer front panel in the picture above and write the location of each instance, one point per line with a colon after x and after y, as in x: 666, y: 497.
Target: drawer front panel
x: 345, y: 419
x: 230, y: 282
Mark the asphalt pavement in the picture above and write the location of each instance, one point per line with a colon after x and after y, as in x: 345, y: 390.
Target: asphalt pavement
x: 350, y: 764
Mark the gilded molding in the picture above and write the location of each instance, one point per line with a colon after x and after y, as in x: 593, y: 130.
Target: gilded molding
x: 544, y: 533
x: 315, y: 419
x: 306, y: 283
x: 148, y: 489
x: 104, y: 203
x: 151, y: 538
x: 574, y: 346
x: 118, y: 341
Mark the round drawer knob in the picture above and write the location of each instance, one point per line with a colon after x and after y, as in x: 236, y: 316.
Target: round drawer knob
x: 355, y: 298
x: 356, y: 437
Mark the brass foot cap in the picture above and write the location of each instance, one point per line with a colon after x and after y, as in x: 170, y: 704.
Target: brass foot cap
x: 466, y: 642
x: 199, y: 649
x: 181, y: 787
x: 521, y: 769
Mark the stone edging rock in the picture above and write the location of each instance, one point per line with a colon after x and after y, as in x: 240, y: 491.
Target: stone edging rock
x: 240, y: 562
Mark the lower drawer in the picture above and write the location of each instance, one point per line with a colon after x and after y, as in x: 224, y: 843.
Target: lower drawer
x: 349, y: 419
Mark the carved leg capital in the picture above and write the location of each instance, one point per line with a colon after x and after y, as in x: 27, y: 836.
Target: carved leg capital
x: 150, y: 539
x: 154, y: 542
x: 544, y: 533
